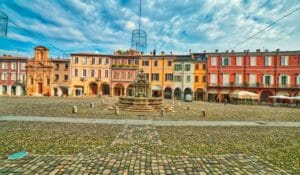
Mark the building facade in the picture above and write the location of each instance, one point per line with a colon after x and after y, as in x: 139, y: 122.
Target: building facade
x: 12, y: 75
x: 39, y: 73
x: 184, y: 74
x: 200, y: 91
x: 265, y: 73
x: 61, y: 79
x: 90, y: 74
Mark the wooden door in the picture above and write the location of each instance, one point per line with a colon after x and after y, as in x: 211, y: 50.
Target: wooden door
x: 40, y: 88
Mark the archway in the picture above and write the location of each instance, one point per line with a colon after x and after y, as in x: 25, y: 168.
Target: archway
x: 93, y: 88
x: 168, y: 93
x: 129, y: 90
x: 105, y: 89
x: 177, y: 93
x: 188, y: 91
x: 118, y: 90
x: 199, y: 94
x: 264, y: 96
x: 156, y: 91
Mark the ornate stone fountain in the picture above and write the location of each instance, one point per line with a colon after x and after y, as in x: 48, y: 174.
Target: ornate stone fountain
x: 141, y: 101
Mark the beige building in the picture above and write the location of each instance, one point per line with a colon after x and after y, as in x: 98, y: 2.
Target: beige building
x: 90, y: 74
x: 61, y: 79
x: 39, y: 73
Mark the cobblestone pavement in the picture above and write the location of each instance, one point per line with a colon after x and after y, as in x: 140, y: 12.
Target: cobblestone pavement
x: 137, y: 160
x: 148, y: 122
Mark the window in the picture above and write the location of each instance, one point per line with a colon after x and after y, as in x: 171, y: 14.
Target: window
x: 204, y: 79
x: 66, y: 66
x: 213, y: 79
x: 84, y: 73
x: 169, y: 77
x: 267, y: 79
x: 147, y: 76
x: 76, y: 72
x: 145, y: 63
x: 178, y: 67
x: 155, y: 77
x: 106, y: 73
x: 284, y: 80
x: 23, y: 66
x: 56, y: 78
x: 188, y: 78
x: 13, y: 76
x: 56, y: 66
x: 128, y: 75
x: 155, y: 63
x: 238, y: 79
x: 66, y: 77
x: 31, y: 81
x: 225, y: 61
x: 4, y: 76
x: 239, y: 61
x: 169, y: 63
x: 84, y: 61
x: 106, y: 61
x: 99, y: 60
x: 225, y: 79
x: 76, y: 60
x: 298, y: 79
x: 48, y: 81
x: 4, y: 65
x: 129, y: 62
x: 123, y: 75
x: 213, y: 61
x: 136, y: 62
x: 252, y: 80
x: 13, y: 66
x: 23, y: 78
x: 284, y: 60
x: 203, y: 66
x: 268, y: 61
x: 252, y: 61
x: 93, y: 60
x: 177, y: 78
x: 92, y: 73
x: 196, y: 66
x: 116, y: 75
x: 196, y: 79
x: 187, y: 67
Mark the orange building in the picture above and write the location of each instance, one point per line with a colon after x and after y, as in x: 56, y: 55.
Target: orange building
x: 200, y: 76
x: 39, y: 73
x: 159, y: 70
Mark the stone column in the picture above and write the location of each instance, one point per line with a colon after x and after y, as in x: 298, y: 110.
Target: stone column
x: 9, y: 90
x: 18, y: 90
x: 69, y: 91
x: 0, y: 89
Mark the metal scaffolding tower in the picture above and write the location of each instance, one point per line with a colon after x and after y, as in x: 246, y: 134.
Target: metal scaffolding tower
x: 3, y: 24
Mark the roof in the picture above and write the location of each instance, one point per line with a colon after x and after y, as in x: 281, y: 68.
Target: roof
x: 246, y: 52
x: 41, y: 47
x: 60, y: 60
x: 10, y: 57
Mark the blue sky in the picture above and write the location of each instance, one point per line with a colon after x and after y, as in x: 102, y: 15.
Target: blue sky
x: 104, y: 26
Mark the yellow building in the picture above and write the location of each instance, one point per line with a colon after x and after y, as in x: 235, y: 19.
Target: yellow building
x: 159, y: 70
x: 200, y: 76
x: 39, y: 73
x: 90, y: 74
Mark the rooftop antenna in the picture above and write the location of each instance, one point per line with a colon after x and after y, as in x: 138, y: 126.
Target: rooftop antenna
x: 139, y: 37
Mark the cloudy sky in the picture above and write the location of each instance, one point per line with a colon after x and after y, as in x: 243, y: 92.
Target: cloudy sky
x: 104, y: 26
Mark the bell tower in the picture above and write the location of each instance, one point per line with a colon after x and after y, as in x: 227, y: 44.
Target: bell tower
x: 41, y: 53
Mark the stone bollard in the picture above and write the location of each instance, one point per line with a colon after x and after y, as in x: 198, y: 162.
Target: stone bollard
x: 74, y: 109
x: 203, y: 112
x: 162, y: 112
x: 188, y: 107
x: 117, y: 110
x: 92, y: 105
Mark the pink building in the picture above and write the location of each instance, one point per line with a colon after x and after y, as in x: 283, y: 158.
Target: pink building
x: 12, y: 75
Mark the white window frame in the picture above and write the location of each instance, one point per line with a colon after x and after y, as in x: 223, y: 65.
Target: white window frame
x: 252, y: 80
x: 252, y: 61
x: 213, y: 61
x: 84, y: 60
x: 286, y: 60
x: 23, y: 66
x: 288, y: 80
x: 223, y: 61
x: 4, y: 65
x: 298, y: 79
x: 213, y: 79
x: 4, y: 76
x: 226, y: 79
x: 84, y: 71
x: 268, y: 61
x: 238, y: 79
x: 239, y: 61
x: 13, y: 66
x: 188, y: 78
x: 271, y: 80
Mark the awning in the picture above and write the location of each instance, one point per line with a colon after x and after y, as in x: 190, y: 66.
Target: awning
x: 279, y: 97
x: 285, y: 93
x: 156, y: 88
x: 224, y: 92
x: 212, y: 91
x: 295, y: 98
x: 244, y: 95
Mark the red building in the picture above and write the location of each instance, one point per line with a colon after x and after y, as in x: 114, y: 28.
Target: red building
x: 265, y: 73
x: 12, y: 75
x: 124, y: 69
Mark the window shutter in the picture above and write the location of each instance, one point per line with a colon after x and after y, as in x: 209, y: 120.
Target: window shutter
x: 288, y: 79
x: 271, y: 79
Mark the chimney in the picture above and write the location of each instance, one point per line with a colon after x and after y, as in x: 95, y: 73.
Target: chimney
x: 216, y: 50
x: 232, y: 51
x: 154, y: 52
x: 226, y: 51
x: 171, y: 53
x: 151, y: 53
x: 204, y: 51
x: 277, y: 50
x: 257, y: 50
